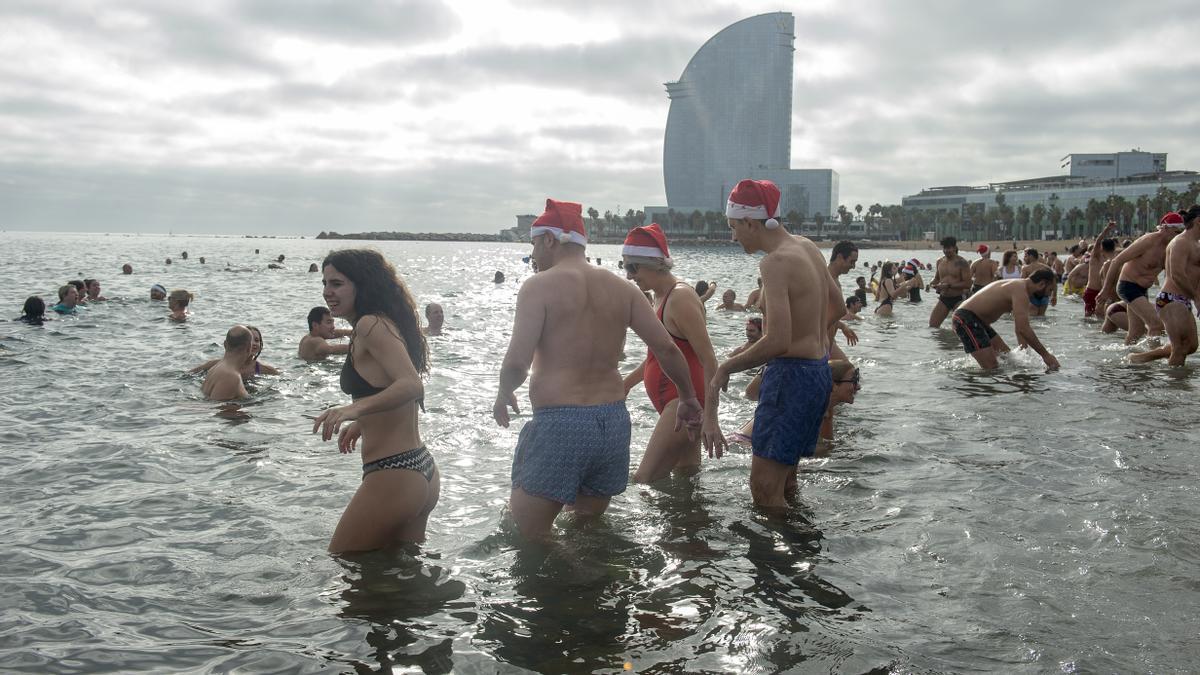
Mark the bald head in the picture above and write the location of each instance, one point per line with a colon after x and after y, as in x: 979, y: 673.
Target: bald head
x: 238, y: 338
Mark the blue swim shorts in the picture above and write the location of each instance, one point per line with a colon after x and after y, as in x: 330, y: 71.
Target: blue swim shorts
x: 791, y: 404
x: 575, y: 449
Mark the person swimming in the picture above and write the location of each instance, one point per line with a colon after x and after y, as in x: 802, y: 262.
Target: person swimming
x: 158, y: 292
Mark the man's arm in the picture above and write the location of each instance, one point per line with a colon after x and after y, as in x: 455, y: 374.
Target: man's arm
x: 1177, y: 264
x: 777, y: 324
x: 1025, y: 335
x: 527, y: 332
x: 325, y: 349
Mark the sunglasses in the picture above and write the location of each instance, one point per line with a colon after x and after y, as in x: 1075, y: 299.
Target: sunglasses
x: 854, y: 380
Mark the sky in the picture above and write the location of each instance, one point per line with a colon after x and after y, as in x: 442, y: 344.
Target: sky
x: 297, y: 116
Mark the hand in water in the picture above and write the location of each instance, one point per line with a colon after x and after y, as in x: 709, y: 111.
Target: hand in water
x: 851, y: 336
x: 1051, y: 363
x: 501, y: 406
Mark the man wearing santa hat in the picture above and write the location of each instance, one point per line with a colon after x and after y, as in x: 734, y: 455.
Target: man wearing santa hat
x: 647, y: 262
x: 1135, y: 269
x: 571, y: 321
x: 983, y: 271
x: 1176, y: 301
x: 803, y: 305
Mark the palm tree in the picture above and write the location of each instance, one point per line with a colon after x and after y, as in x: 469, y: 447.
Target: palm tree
x: 820, y: 219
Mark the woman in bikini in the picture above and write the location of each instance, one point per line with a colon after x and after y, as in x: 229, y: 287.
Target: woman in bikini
x: 382, y: 374
x: 648, y: 263
x: 889, y: 291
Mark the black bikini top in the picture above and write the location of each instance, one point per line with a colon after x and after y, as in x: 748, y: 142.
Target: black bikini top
x: 353, y: 383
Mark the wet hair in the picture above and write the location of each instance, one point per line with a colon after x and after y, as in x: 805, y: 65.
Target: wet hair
x: 756, y: 320
x: 79, y: 286
x: 842, y: 249
x: 87, y: 283
x: 949, y: 242
x: 179, y: 297
x: 853, y: 299
x: 257, y: 334
x: 1190, y: 215
x: 63, y: 290
x: 316, y: 315
x: 1008, y: 256
x: 236, y: 339
x: 840, y: 368
x: 657, y: 264
x: 1033, y: 253
x: 379, y: 290
x: 1042, y: 276
x: 34, y: 309
x: 701, y: 287
x: 1109, y: 245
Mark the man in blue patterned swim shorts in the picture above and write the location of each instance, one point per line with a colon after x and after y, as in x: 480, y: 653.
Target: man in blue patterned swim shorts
x: 802, y: 306
x: 570, y: 328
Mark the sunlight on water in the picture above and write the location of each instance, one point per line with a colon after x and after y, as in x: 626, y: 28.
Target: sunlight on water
x: 1012, y: 520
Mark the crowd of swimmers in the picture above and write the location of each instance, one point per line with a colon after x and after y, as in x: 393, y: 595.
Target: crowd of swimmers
x: 572, y: 317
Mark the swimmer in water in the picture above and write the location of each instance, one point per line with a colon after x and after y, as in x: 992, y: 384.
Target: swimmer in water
x: 34, y: 311
x: 178, y: 302
x: 952, y: 280
x: 435, y: 317
x: 846, y: 383
x: 158, y: 292
x: 973, y: 320
x: 93, y: 290
x: 126, y: 269
x: 571, y: 320
x: 753, y: 334
x: 68, y: 299
x: 728, y: 304
x: 223, y: 382
x: 1175, y: 303
x: 648, y: 263
x: 382, y: 375
x: 251, y: 366
x: 803, y: 306
x: 315, y: 346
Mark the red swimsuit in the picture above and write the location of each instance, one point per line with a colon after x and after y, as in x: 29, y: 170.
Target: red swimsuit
x: 659, y: 387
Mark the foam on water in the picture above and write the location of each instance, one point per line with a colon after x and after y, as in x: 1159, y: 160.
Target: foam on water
x: 1008, y: 520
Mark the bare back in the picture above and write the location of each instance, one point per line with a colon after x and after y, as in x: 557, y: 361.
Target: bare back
x: 984, y: 271
x: 586, y: 311
x: 1183, y: 266
x: 223, y: 382
x: 996, y: 300
x: 798, y: 264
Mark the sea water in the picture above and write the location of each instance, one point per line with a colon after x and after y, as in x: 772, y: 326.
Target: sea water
x: 965, y: 520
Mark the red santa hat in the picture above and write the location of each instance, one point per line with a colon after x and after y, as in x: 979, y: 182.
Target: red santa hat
x: 758, y: 199
x: 564, y: 220
x: 983, y: 249
x: 1172, y: 220
x: 646, y: 242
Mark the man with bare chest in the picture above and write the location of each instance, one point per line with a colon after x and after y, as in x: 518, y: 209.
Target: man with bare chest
x: 951, y: 281
x: 1179, y: 291
x: 1136, y: 269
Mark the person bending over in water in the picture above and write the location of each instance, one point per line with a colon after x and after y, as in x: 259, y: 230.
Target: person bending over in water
x: 1135, y: 269
x: 974, y: 318
x: 382, y: 374
x: 648, y: 263
x: 315, y: 346
x: 571, y: 321
x: 178, y: 302
x: 846, y: 380
x: 1033, y: 263
x: 1179, y: 291
x: 223, y: 382
x: 952, y: 280
x: 803, y: 305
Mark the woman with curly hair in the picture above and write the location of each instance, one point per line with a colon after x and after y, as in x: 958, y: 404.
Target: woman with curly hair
x: 382, y: 375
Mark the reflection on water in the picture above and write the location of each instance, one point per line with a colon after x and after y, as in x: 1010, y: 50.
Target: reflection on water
x: 963, y: 519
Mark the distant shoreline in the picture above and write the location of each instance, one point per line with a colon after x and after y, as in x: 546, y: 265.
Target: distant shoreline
x: 965, y: 246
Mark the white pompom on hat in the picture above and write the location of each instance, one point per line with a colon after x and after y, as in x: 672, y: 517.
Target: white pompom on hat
x: 758, y: 199
x: 562, y: 219
x: 1172, y: 220
x: 647, y: 241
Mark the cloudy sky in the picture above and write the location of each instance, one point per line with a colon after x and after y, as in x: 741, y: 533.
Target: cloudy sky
x: 295, y: 116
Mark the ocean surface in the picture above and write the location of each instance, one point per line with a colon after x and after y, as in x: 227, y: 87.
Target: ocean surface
x: 1010, y: 521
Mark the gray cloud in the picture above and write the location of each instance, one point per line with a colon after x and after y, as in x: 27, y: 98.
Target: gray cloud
x: 388, y: 22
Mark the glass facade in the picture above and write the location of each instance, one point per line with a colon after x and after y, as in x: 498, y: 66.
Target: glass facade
x: 731, y: 118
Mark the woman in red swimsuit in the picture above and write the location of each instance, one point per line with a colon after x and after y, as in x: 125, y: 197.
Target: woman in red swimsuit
x: 648, y: 263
